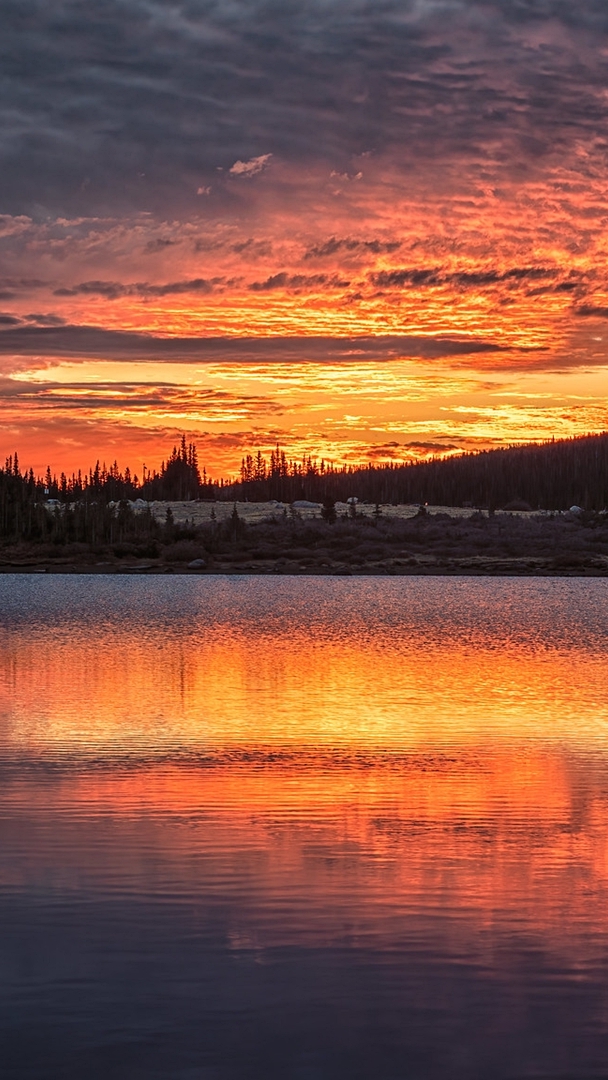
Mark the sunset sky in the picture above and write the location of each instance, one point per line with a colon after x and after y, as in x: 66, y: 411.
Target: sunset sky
x: 368, y: 231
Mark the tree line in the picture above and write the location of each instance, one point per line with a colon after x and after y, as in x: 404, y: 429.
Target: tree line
x: 179, y: 478
x: 95, y: 507
x: 551, y: 476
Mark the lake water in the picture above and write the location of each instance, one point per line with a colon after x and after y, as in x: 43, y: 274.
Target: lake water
x: 303, y: 828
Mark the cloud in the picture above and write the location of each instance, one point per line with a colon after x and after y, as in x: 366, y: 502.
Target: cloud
x: 91, y: 92
x: 159, y: 244
x: 410, y: 450
x: 384, y: 452
x: 114, y: 398
x: 348, y: 178
x: 36, y: 319
x: 432, y: 276
x: 394, y: 279
x: 599, y: 311
x: 9, y: 286
x: 335, y: 246
x: 114, y: 290
x: 110, y: 289
x: 250, y: 168
x: 48, y: 319
x: 430, y: 447
x: 298, y: 282
x: 97, y: 343
x: 253, y: 249
x: 14, y: 224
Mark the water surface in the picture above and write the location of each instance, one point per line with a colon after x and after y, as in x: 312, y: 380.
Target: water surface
x: 308, y: 828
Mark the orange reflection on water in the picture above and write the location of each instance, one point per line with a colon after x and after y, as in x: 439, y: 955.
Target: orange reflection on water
x: 230, y: 688
x: 514, y: 841
x: 323, y: 758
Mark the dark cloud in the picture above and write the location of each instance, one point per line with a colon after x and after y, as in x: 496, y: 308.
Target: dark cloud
x: 491, y: 277
x: 136, y: 103
x: 36, y: 319
x: 592, y: 311
x: 174, y: 288
x: 254, y: 249
x: 431, y: 447
x: 95, y: 343
x: 47, y: 319
x: 10, y: 286
x: 335, y: 246
x: 382, y: 451
x: 413, y: 447
x: 297, y: 282
x: 114, y: 290
x: 127, y: 396
x: 394, y: 279
x: 154, y: 246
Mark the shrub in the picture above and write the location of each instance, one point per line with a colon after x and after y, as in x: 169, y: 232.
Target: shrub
x: 184, y: 551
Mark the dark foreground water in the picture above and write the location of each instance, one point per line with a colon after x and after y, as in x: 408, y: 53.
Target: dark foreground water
x: 301, y: 828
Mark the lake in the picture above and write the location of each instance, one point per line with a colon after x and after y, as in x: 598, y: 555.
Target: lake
x: 303, y: 828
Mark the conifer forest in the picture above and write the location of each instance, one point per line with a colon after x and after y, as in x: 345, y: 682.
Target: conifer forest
x: 545, y: 503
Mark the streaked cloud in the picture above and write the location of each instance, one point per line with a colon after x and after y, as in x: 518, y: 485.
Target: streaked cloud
x: 94, y: 342
x: 349, y: 246
x: 112, y: 290
x: 298, y: 282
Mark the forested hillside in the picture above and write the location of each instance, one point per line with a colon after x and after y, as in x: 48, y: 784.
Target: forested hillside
x: 551, y: 476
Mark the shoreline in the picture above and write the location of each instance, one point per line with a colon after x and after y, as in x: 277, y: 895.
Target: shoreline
x: 400, y: 544
x: 500, y: 568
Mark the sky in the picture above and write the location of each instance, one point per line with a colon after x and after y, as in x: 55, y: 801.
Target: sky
x: 367, y: 231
